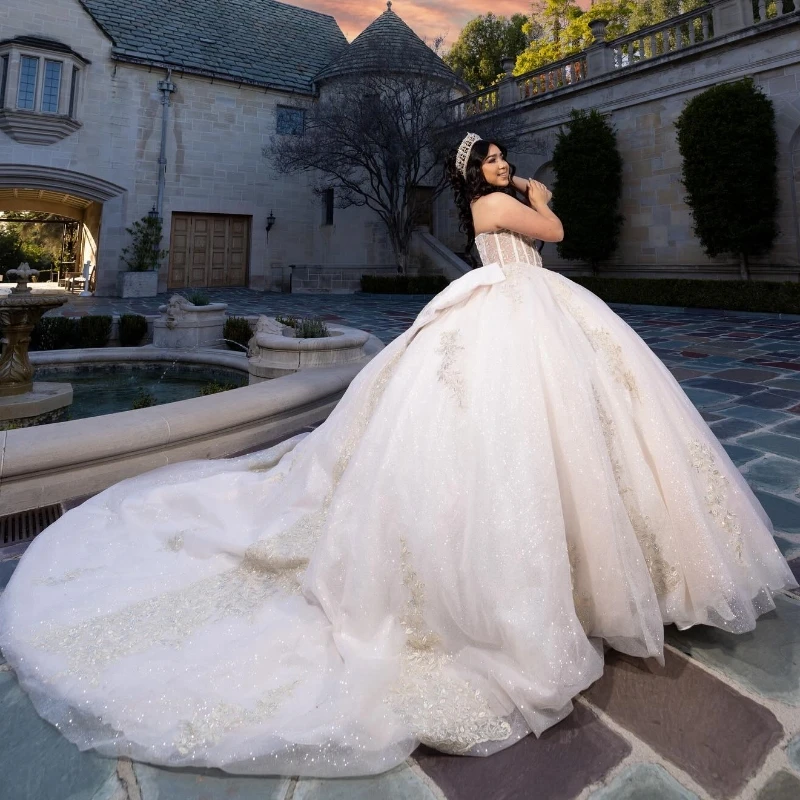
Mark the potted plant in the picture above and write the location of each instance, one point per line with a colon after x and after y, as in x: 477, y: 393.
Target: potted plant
x: 142, y: 258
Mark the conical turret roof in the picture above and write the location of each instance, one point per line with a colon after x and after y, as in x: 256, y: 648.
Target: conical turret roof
x: 387, y: 45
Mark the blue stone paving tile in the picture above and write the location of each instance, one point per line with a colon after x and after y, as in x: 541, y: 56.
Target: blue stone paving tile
x: 769, y: 400
x: 793, y: 752
x: 730, y: 428
x: 707, y: 398
x: 741, y: 455
x: 181, y: 784
x: 746, y: 375
x: 788, y: 446
x: 737, y: 388
x: 792, y: 384
x: 765, y: 660
x: 790, y: 428
x: 644, y: 782
x: 762, y: 415
x: 774, y: 473
x: 710, y: 416
x: 781, y: 786
x: 784, y: 513
x: 402, y: 783
x: 36, y: 761
x: 6, y: 568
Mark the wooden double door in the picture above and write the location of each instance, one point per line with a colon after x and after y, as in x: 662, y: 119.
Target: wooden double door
x: 208, y: 250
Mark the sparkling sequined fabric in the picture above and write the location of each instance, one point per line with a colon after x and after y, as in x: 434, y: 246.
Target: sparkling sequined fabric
x: 511, y: 483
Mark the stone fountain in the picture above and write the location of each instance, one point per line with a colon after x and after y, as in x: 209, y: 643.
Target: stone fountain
x: 23, y: 402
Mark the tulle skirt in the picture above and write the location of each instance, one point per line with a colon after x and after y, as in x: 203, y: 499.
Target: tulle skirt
x: 514, y: 482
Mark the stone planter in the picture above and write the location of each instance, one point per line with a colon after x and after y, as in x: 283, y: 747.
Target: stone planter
x: 183, y: 325
x: 274, y: 352
x: 137, y: 284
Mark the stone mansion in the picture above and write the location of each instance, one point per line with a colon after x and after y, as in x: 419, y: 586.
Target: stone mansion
x: 110, y: 109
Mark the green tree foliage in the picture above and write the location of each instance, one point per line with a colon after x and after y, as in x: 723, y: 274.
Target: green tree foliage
x: 482, y: 44
x: 144, y: 251
x: 726, y: 136
x: 588, y: 188
x: 11, y: 255
x: 560, y: 28
x: 40, y: 239
x: 16, y: 248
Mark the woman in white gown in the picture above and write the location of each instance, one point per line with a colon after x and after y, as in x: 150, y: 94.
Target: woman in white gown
x: 513, y: 482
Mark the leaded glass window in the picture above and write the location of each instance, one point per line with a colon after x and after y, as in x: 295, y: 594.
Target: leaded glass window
x: 52, y: 86
x: 28, y: 72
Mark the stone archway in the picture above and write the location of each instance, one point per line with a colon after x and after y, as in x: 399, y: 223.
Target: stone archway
x: 90, y: 200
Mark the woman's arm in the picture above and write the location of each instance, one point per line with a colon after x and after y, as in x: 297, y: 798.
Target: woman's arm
x: 498, y: 211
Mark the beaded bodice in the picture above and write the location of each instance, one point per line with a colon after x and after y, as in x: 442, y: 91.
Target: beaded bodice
x: 506, y: 247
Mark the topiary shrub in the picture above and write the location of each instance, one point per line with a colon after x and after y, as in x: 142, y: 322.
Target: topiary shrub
x: 726, y: 136
x: 94, y: 331
x: 54, y: 333
x: 403, y: 284
x: 758, y: 296
x: 588, y: 188
x: 132, y: 329
x: 237, y: 331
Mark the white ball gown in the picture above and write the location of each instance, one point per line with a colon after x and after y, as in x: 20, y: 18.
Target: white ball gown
x: 513, y: 482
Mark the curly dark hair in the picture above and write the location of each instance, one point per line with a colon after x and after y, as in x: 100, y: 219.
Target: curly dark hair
x: 474, y: 186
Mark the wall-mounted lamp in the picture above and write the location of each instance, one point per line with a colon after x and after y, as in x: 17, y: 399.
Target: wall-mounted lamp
x: 153, y: 213
x: 270, y: 223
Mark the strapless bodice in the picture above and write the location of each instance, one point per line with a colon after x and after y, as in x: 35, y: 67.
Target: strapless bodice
x: 506, y: 247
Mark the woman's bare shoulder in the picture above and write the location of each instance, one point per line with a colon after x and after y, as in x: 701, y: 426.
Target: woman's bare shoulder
x: 495, y: 200
x: 489, y: 211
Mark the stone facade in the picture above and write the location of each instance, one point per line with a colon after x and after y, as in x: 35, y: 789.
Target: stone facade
x: 216, y: 135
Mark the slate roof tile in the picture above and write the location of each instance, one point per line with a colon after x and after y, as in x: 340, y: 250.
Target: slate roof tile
x: 387, y: 44
x: 262, y: 42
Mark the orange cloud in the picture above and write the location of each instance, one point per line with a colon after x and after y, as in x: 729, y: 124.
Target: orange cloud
x: 428, y: 18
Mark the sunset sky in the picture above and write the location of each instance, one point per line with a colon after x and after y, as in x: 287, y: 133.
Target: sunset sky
x: 429, y: 18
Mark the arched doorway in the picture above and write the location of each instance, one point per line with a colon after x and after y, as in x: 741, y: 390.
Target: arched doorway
x: 90, y: 201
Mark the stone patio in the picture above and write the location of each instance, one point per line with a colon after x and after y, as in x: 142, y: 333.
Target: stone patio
x: 720, y: 719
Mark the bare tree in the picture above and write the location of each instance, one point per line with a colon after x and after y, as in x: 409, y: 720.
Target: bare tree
x: 374, y: 139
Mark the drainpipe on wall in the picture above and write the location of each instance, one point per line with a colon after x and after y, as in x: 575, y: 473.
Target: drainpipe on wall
x: 166, y: 87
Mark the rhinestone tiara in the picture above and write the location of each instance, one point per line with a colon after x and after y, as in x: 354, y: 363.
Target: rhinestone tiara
x: 464, y: 149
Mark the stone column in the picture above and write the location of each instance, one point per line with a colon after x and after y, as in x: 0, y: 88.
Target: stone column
x: 507, y: 92
x: 599, y: 57
x: 731, y: 15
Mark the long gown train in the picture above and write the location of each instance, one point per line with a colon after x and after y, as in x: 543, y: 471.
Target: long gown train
x: 512, y: 482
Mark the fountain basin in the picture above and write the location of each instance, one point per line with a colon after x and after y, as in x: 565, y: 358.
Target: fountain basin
x: 43, y: 403
x: 184, y: 325
x: 272, y: 355
x: 54, y: 463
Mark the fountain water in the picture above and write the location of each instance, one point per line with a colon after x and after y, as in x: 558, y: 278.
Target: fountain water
x: 23, y: 402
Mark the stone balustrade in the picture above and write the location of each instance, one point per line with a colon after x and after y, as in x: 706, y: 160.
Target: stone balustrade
x: 713, y: 21
x: 670, y: 36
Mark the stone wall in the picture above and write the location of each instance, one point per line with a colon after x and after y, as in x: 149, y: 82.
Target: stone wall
x: 643, y: 102
x: 216, y: 138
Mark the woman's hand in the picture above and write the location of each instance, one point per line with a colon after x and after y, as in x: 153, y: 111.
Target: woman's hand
x: 538, y: 193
